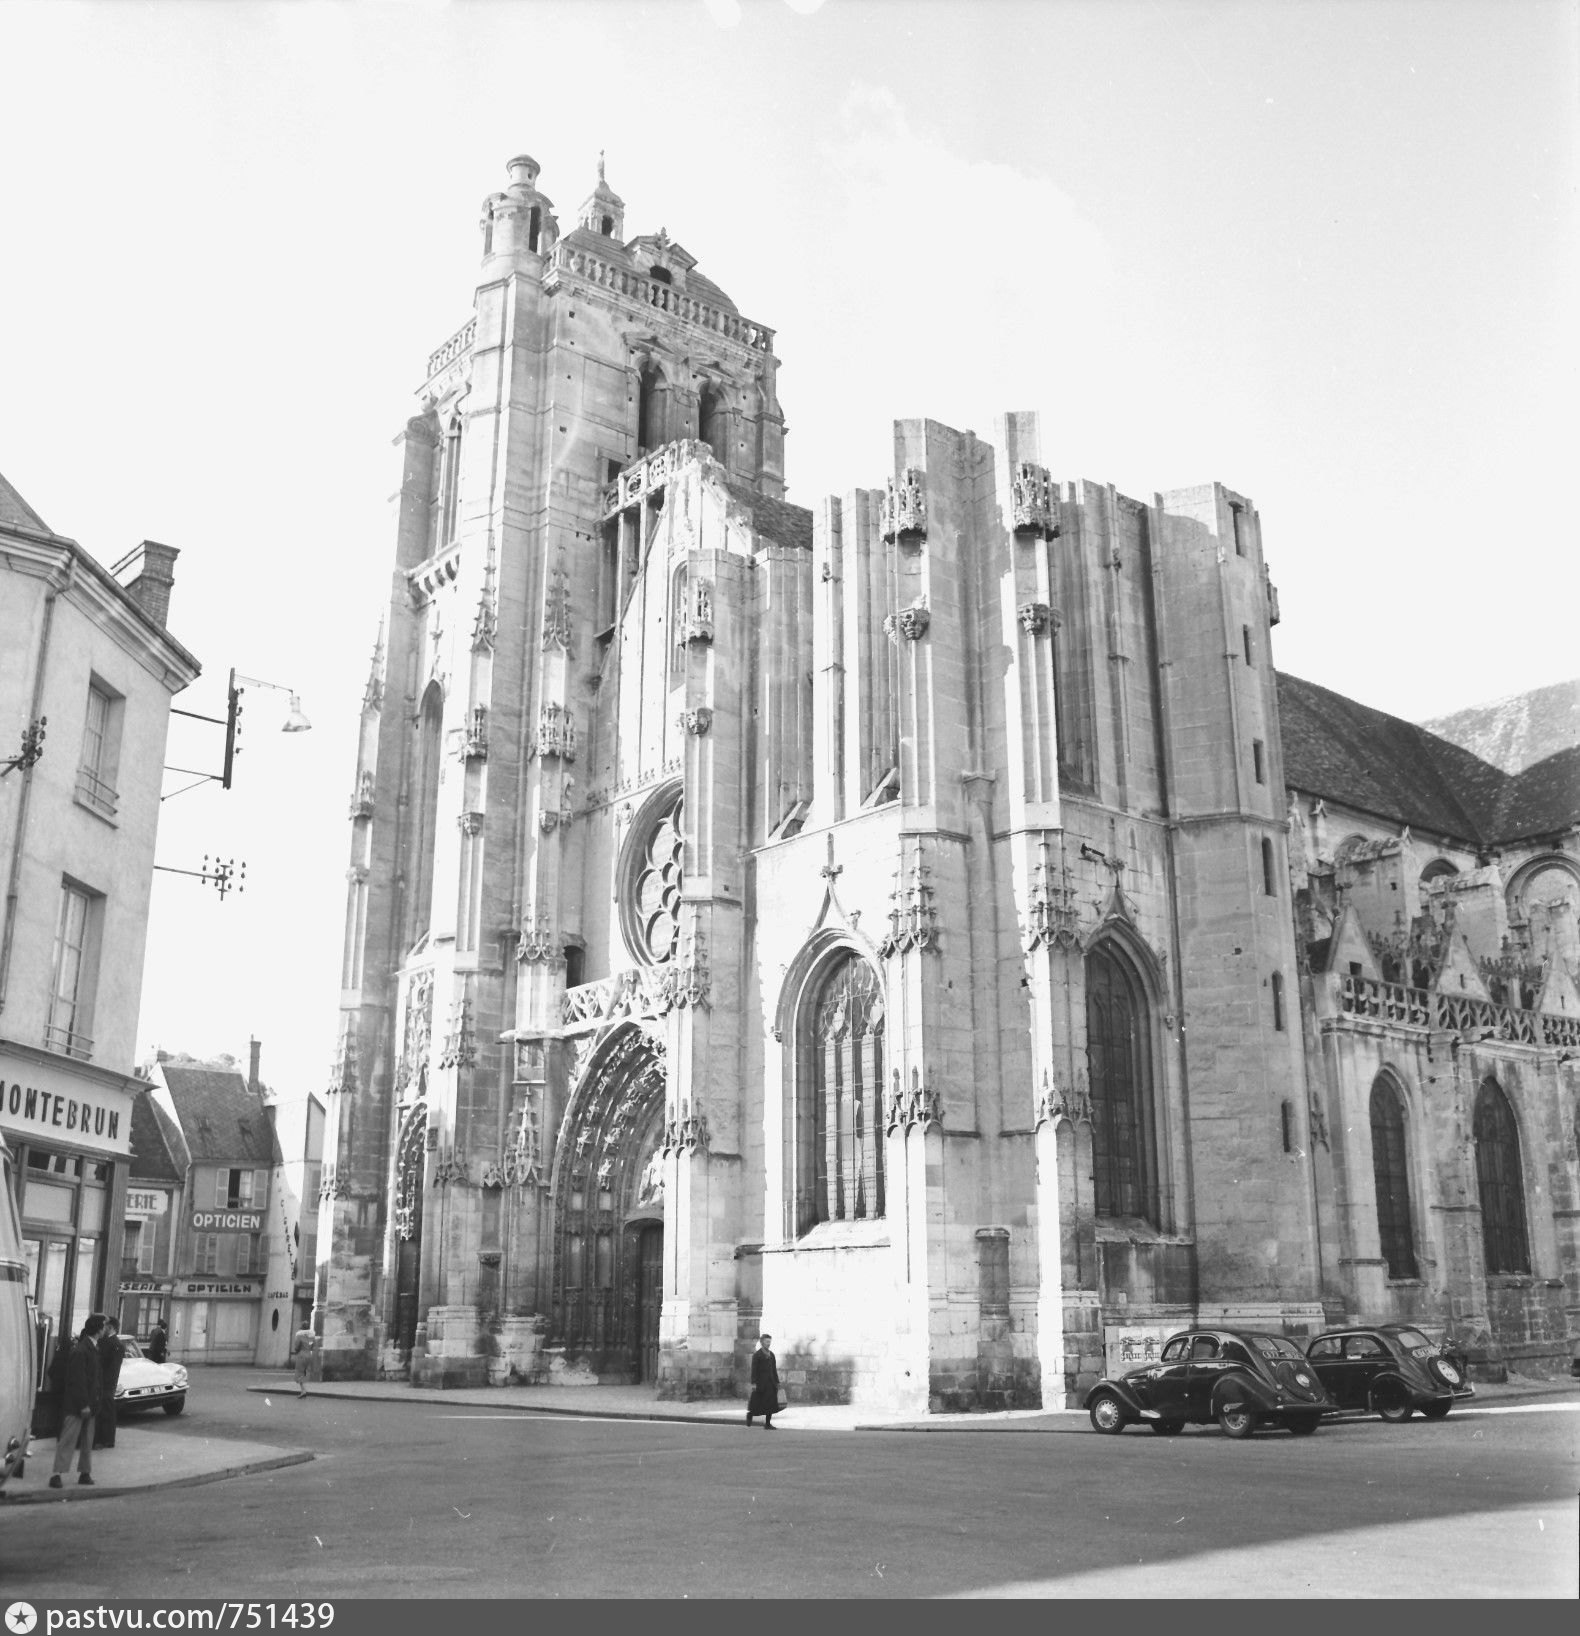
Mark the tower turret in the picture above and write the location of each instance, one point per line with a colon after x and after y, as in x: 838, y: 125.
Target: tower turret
x: 603, y: 210
x: 521, y: 219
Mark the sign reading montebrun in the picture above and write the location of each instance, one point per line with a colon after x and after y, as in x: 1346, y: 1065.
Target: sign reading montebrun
x: 42, y: 1102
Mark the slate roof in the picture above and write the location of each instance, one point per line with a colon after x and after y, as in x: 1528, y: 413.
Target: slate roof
x: 775, y: 520
x: 1348, y: 753
x: 15, y: 510
x: 221, y: 1119
x: 158, y: 1153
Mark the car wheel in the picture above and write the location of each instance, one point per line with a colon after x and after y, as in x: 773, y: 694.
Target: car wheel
x: 1436, y: 1411
x: 1302, y: 1425
x: 1237, y: 1419
x: 1395, y: 1407
x: 1167, y: 1428
x: 175, y: 1405
x: 1447, y: 1372
x: 1108, y: 1413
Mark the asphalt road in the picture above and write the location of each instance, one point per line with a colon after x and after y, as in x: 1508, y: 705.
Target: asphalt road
x: 428, y: 1500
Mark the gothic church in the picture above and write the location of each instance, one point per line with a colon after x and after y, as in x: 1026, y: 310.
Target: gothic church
x: 926, y: 926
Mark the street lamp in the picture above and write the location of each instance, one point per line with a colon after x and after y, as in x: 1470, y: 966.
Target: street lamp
x: 295, y: 722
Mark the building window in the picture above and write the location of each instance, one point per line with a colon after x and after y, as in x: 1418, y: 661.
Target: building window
x: 1119, y: 1059
x: 1242, y: 528
x: 75, y: 973
x: 1500, y: 1181
x: 1269, y: 872
x: 1245, y: 638
x: 240, y: 1189
x: 1259, y: 760
x: 1392, y: 1179
x: 1278, y: 1000
x: 650, y: 909
x: 840, y: 1113
x: 449, y: 483
x: 711, y: 427
x: 101, y: 744
x: 205, y: 1252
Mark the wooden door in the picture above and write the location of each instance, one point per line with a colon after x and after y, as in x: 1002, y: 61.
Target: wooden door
x: 649, y: 1300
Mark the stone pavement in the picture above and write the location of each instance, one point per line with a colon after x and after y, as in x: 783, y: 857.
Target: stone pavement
x: 141, y: 1462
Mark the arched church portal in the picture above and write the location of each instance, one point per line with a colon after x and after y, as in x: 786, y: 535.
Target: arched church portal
x: 406, y: 1220
x: 609, y: 1213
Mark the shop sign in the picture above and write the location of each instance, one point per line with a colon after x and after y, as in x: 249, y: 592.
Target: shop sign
x: 228, y: 1221
x: 38, y: 1100
x: 147, y: 1286
x: 143, y: 1202
x: 208, y: 1288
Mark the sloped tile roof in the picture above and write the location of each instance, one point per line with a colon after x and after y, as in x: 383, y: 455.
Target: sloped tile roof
x: 1348, y: 753
x: 158, y: 1153
x: 775, y: 520
x: 221, y: 1119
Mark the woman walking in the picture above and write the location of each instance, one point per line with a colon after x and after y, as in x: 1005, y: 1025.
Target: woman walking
x: 765, y: 1384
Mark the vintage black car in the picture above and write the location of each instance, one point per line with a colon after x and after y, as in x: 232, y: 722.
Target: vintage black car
x: 1240, y: 1378
x: 1391, y: 1370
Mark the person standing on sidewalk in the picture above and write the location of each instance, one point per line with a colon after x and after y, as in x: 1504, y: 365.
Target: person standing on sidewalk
x: 301, y: 1357
x: 765, y: 1384
x: 78, y: 1405
x: 158, y: 1342
x: 111, y: 1356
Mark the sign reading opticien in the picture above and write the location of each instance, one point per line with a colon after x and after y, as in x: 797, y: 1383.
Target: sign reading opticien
x: 228, y: 1221
x: 42, y: 1102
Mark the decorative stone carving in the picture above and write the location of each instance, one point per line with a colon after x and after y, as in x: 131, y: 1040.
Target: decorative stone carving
x: 913, y: 1107
x: 697, y: 722
x: 688, y: 1133
x: 557, y: 608
x: 449, y: 1166
x: 1035, y: 618
x: 486, y: 621
x: 913, y: 921
x: 905, y: 508
x: 1319, y: 1122
x: 1035, y: 502
x: 697, y: 625
x: 471, y: 823
x: 536, y: 943
x: 343, y: 1076
x: 362, y: 796
x: 332, y: 1185
x: 474, y: 746
x: 911, y: 622
x: 690, y: 979
x: 460, y: 1044
x: 419, y: 1028
x: 556, y: 734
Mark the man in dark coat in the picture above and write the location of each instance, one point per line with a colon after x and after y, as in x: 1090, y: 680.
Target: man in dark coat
x: 158, y: 1342
x: 765, y: 1384
x: 80, y: 1401
x: 111, y: 1356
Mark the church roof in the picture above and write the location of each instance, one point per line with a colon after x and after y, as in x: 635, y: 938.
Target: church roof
x: 1359, y: 757
x: 221, y: 1119
x: 16, y: 511
x: 158, y: 1153
x: 775, y: 520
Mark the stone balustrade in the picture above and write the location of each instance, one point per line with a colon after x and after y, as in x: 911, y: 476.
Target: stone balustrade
x: 1460, y: 1013
x: 452, y: 349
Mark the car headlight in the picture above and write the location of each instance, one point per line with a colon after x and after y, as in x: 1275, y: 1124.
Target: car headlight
x: 179, y: 1375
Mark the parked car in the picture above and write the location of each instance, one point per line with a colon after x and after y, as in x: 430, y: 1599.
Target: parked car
x: 146, y: 1384
x: 1240, y: 1378
x: 1391, y: 1370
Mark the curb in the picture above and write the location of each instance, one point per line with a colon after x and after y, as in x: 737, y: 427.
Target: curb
x: 56, y: 1496
x: 442, y: 1399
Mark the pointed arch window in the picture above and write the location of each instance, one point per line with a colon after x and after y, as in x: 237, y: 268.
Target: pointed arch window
x: 430, y: 732
x: 450, y: 483
x: 1500, y: 1181
x: 1119, y: 1059
x: 1391, y: 1174
x: 840, y: 1113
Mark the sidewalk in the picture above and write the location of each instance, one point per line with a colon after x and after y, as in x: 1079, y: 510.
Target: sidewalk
x: 642, y: 1403
x: 140, y: 1462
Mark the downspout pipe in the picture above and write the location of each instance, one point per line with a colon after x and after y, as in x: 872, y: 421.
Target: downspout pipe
x: 14, y: 873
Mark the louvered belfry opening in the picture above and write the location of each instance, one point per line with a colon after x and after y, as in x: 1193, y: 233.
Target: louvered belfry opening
x: 1500, y: 1180
x: 842, y: 1123
x: 1119, y: 1059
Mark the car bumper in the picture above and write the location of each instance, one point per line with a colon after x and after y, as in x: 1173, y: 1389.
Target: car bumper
x: 150, y: 1397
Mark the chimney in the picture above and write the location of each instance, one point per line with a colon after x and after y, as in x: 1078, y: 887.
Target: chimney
x: 255, y: 1050
x: 148, y: 573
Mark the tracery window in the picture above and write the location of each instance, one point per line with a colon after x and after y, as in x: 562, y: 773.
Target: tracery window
x: 652, y: 917
x: 1119, y: 1058
x: 1500, y: 1181
x: 1392, y: 1179
x: 840, y: 1113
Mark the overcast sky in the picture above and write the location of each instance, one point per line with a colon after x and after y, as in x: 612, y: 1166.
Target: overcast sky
x: 1326, y: 253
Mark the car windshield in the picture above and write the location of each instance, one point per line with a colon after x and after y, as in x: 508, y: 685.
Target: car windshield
x: 133, y: 1350
x: 1274, y: 1346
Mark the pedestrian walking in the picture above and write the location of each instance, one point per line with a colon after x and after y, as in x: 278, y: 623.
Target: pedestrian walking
x: 301, y: 1357
x: 112, y: 1354
x: 78, y: 1404
x: 158, y: 1342
x: 765, y: 1384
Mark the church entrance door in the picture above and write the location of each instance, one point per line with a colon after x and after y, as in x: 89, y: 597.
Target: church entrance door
x: 649, y: 1300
